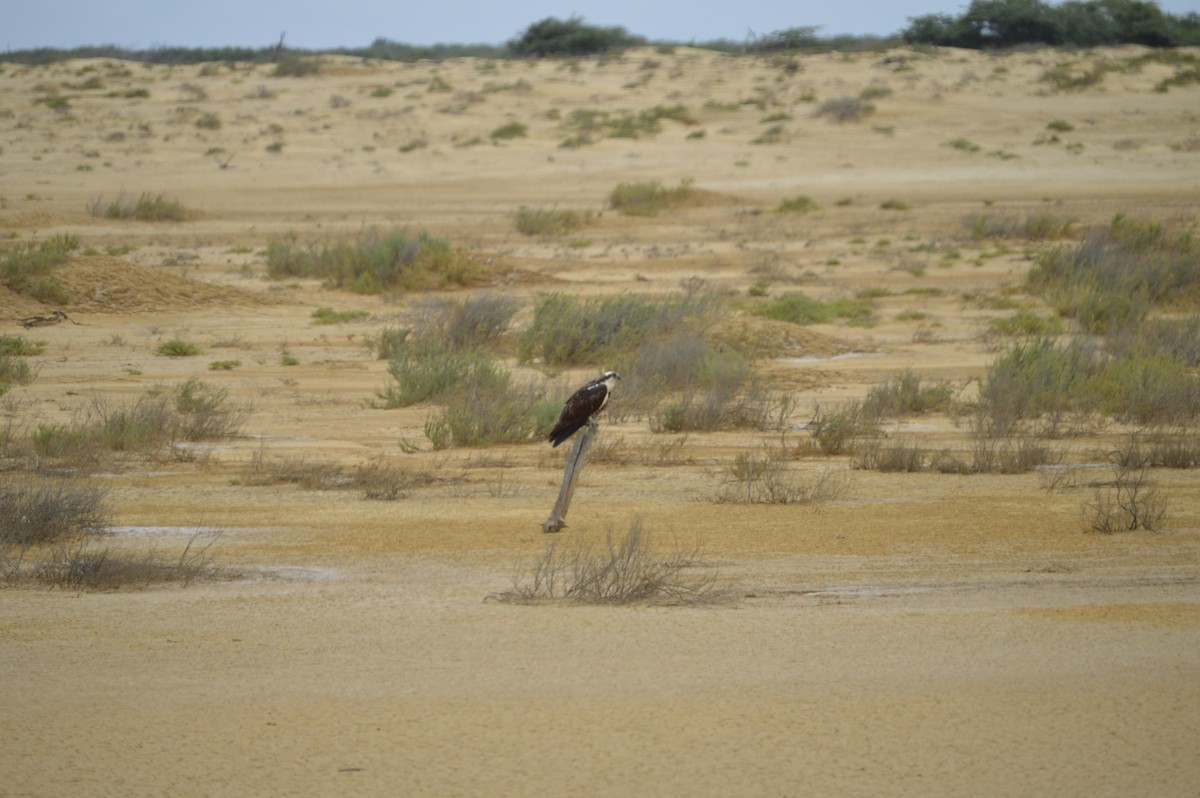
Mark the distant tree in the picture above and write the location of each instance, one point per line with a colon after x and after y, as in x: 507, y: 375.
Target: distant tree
x: 800, y: 38
x: 570, y: 37
x: 1080, y: 23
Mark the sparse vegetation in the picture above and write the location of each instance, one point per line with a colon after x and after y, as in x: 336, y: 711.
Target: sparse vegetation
x: 622, y: 570
x: 647, y: 199
x: 375, y: 262
x: 176, y: 347
x: 146, y: 208
x: 801, y: 309
x: 550, y: 222
x: 29, y: 268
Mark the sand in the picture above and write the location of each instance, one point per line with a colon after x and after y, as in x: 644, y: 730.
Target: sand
x: 920, y: 634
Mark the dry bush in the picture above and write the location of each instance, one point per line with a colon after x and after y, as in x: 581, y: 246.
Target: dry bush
x: 1128, y: 502
x: 907, y: 394
x: 897, y: 455
x: 845, y: 109
x: 836, y: 431
x: 623, y: 570
x: 764, y: 477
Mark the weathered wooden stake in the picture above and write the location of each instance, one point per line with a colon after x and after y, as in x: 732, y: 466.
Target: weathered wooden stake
x: 583, y: 442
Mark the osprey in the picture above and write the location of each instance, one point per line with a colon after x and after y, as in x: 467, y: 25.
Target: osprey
x: 583, y: 404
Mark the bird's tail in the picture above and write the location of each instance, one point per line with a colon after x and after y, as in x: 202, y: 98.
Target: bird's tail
x: 560, y: 434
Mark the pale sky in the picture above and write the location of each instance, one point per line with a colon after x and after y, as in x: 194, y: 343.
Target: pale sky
x: 319, y: 24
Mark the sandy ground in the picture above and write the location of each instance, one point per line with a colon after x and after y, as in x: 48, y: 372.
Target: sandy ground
x: 923, y: 634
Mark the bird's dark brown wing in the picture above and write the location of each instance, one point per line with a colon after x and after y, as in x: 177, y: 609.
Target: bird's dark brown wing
x: 577, y: 410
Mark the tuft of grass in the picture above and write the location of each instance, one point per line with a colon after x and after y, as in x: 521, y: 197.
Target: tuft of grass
x: 894, y: 205
x: 291, y: 65
x: 375, y: 262
x: 224, y: 365
x: 208, y: 121
x: 962, y: 144
x: 36, y: 512
x: 622, y: 570
x: 836, y: 431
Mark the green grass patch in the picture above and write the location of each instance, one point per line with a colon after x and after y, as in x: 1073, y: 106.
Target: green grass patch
x: 326, y: 315
x: 29, y: 268
x: 798, y: 308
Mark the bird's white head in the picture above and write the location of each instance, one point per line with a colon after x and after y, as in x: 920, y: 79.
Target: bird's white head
x: 608, y: 378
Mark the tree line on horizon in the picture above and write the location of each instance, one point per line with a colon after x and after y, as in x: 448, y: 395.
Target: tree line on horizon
x: 985, y: 24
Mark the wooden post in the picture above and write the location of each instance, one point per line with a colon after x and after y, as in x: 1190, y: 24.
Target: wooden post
x: 583, y: 442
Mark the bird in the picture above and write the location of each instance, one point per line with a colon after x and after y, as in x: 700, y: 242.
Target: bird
x: 578, y: 410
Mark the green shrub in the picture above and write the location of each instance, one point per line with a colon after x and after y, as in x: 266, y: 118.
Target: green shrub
x: 510, y: 130
x: 475, y: 322
x: 375, y: 262
x: 204, y: 412
x: 845, y: 109
x: 800, y: 204
x: 20, y: 346
x: 209, y: 121
x: 290, y: 65
x: 906, y: 394
x: 568, y: 331
x: 28, y: 269
x: 429, y: 371
x: 1027, y: 322
x: 1039, y: 226
x: 647, y: 199
x: 177, y: 348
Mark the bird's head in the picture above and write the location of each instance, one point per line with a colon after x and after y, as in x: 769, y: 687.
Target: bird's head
x: 608, y: 378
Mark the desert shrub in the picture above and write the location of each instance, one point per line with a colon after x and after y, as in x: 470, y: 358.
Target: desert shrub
x: 836, y: 431
x: 291, y: 65
x: 177, y: 347
x: 543, y: 222
x: 13, y: 371
x: 509, y: 130
x: 1036, y: 377
x: 35, y: 512
x: 84, y: 565
x: 60, y: 441
x: 799, y: 204
x: 146, y: 423
x: 905, y: 394
x: 1164, y: 448
x: 648, y: 198
x: 726, y: 394
x: 764, y: 477
x: 1027, y: 322
x: 20, y: 346
x: 146, y: 208
x: 375, y: 262
x: 208, y: 121
x: 1112, y: 279
x: 845, y: 109
x: 1127, y: 503
x: 326, y: 315
x: 1041, y: 226
x: 799, y: 308
x: 475, y: 322
x: 896, y: 455
x: 205, y: 412
x: 566, y: 330
x: 431, y: 371
x: 390, y: 342
x: 624, y: 569
x: 1178, y: 338
x: 28, y: 269
x: 488, y: 411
